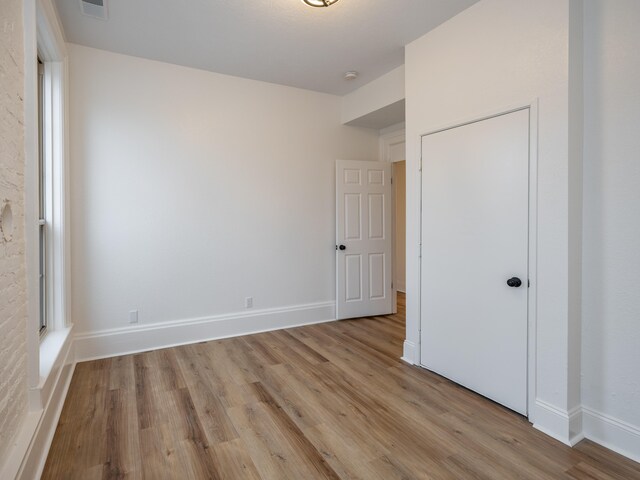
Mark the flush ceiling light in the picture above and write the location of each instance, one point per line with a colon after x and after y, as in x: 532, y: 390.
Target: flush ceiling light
x: 319, y: 3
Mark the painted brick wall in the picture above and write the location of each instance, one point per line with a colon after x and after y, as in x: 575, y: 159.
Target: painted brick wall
x: 13, y: 371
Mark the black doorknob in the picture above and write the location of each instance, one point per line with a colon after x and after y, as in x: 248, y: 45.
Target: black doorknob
x: 342, y: 247
x: 514, y: 282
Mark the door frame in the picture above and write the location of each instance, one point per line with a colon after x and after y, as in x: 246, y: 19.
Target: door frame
x: 387, y: 141
x: 532, y: 293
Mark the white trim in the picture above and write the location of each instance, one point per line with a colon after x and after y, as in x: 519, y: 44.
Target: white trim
x: 532, y: 106
x: 27, y: 458
x: 389, y: 140
x: 614, y: 434
x: 52, y: 49
x: 54, y: 351
x: 576, y: 432
x: 409, y: 352
x: 21, y: 442
x: 36, y: 455
x: 558, y: 423
x: 43, y: 35
x: 127, y: 340
x: 58, y: 235
x: 394, y: 279
x: 390, y: 137
x: 532, y: 298
x: 479, y: 117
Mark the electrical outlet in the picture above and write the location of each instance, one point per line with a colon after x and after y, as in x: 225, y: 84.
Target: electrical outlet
x: 248, y: 302
x: 133, y: 316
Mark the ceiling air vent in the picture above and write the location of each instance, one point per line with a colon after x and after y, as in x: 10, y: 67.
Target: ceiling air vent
x: 94, y: 8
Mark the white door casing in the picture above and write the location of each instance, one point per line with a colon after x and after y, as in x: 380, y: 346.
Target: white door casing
x: 475, y: 206
x: 364, y: 229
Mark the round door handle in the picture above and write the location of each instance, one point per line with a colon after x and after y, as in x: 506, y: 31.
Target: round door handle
x: 342, y: 247
x: 514, y: 282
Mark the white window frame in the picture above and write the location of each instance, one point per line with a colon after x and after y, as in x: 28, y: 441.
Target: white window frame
x: 48, y: 353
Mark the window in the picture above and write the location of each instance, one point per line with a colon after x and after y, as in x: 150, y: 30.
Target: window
x: 46, y: 229
x: 42, y: 201
x: 45, y: 205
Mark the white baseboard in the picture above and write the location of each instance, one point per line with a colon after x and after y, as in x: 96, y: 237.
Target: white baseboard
x: 576, y: 431
x: 565, y: 426
x: 28, y: 456
x: 34, y: 461
x: 614, y: 434
x: 123, y: 341
x: 583, y: 422
x: 409, y: 351
x: 20, y: 445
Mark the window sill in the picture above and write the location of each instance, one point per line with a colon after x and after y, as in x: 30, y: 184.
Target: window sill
x: 50, y: 348
x: 54, y: 356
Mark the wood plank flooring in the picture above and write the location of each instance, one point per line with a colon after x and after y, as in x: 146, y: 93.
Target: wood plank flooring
x: 330, y: 401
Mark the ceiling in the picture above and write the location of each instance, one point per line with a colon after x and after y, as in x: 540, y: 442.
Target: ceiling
x: 278, y: 41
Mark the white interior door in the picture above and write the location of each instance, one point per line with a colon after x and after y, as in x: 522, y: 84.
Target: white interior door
x: 475, y: 194
x: 363, y: 239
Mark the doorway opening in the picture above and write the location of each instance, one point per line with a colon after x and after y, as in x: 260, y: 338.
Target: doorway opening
x: 400, y: 233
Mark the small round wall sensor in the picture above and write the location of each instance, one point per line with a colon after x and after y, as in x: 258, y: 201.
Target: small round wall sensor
x: 351, y: 75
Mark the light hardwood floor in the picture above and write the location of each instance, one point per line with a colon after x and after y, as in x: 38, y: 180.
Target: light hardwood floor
x: 325, y: 401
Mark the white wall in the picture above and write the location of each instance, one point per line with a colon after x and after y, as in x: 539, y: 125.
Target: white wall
x: 375, y: 95
x: 496, y: 54
x: 192, y: 190
x: 611, y: 276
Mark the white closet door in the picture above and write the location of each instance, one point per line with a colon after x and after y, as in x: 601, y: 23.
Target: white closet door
x: 475, y: 181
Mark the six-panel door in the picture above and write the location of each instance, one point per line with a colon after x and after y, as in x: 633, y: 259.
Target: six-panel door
x: 363, y: 239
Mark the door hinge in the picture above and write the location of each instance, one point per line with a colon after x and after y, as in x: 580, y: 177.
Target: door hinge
x: 391, y: 180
